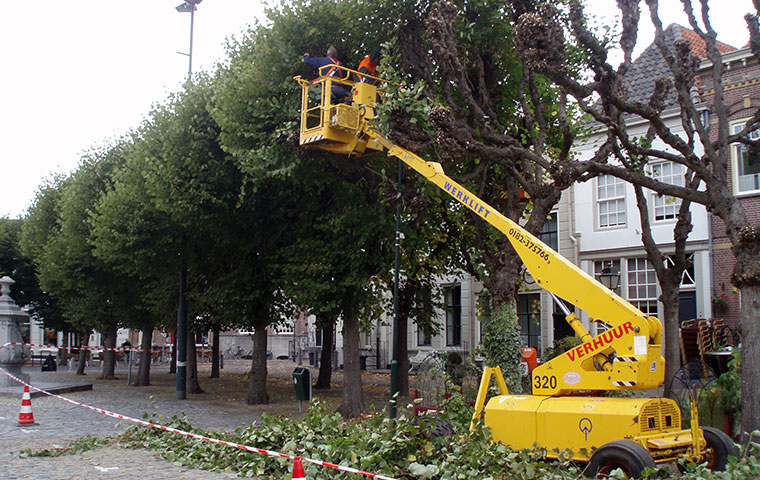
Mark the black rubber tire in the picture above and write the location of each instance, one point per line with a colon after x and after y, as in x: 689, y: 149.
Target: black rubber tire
x: 435, y: 428
x: 629, y: 456
x: 720, y: 446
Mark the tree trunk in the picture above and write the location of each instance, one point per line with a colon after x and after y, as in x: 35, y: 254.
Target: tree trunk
x: 746, y: 276
x: 143, y: 372
x: 65, y: 350
x: 173, y: 363
x: 353, y: 398
x: 325, y: 357
x: 671, y: 341
x: 191, y: 382
x: 215, y: 353
x: 750, y: 370
x: 668, y: 278
x: 83, y: 353
x: 257, y: 386
x: 504, y: 275
x: 109, y: 356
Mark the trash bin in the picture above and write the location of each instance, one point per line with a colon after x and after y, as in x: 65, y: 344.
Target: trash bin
x: 49, y: 364
x: 363, y: 362
x: 302, y: 382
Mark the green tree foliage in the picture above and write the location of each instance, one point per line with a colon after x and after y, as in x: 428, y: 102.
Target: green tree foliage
x: 181, y: 193
x: 397, y: 449
x: 26, y: 291
x: 39, y: 225
x: 340, y: 234
x: 90, y: 293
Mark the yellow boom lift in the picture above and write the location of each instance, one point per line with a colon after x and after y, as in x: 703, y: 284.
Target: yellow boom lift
x: 607, y: 433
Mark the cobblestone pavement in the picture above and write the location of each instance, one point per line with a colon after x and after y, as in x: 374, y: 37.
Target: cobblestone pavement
x: 61, y: 422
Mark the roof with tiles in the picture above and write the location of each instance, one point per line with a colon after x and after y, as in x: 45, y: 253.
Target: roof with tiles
x: 650, y: 65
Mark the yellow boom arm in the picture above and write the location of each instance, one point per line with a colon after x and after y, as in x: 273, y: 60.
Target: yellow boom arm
x: 627, y: 356
x: 633, y: 336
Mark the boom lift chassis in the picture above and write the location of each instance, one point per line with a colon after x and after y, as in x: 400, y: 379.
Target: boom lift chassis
x: 607, y: 433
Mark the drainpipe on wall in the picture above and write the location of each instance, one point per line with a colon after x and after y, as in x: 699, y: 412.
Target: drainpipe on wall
x: 712, y: 260
x: 574, y: 235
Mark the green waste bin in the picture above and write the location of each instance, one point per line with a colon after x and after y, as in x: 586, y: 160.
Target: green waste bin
x: 302, y: 382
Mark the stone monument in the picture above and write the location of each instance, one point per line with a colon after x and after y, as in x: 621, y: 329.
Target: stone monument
x: 12, y: 357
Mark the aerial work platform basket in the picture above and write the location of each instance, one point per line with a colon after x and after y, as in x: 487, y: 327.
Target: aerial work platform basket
x: 333, y: 125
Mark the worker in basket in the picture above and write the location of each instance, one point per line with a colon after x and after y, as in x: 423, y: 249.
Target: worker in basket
x: 329, y: 66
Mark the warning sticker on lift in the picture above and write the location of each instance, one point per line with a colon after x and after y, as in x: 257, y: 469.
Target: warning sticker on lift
x: 640, y: 345
x: 572, y: 378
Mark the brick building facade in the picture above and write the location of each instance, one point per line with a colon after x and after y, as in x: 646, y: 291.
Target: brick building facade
x: 741, y: 85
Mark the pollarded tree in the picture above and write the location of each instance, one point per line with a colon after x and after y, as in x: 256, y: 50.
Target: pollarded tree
x: 247, y: 281
x: 702, y: 149
x: 183, y: 190
x: 498, y: 126
x: 131, y: 236
x: 91, y: 294
x: 40, y: 223
x: 257, y: 106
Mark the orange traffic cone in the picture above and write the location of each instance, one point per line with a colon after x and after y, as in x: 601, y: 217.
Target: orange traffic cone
x: 298, y: 469
x: 25, y: 416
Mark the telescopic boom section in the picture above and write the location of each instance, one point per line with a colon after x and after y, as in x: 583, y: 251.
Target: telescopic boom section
x: 627, y: 356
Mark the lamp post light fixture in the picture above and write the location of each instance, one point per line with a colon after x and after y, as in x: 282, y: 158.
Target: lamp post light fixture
x: 189, y: 6
x: 182, y: 334
x: 610, y: 277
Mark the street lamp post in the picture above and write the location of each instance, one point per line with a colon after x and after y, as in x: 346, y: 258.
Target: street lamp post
x: 395, y: 340
x: 181, y: 388
x: 189, y: 6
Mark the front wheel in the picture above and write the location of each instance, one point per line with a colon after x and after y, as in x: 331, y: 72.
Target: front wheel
x: 719, y: 447
x: 630, y: 457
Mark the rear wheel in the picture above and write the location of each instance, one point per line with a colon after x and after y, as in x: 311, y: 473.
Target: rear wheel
x: 630, y: 457
x: 719, y: 447
x: 434, y: 428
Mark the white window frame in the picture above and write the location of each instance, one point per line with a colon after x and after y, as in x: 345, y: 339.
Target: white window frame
x: 666, y: 205
x: 643, y: 296
x: 735, y: 148
x: 603, y: 200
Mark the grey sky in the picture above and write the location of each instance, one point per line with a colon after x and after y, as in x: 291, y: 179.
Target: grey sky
x: 78, y: 73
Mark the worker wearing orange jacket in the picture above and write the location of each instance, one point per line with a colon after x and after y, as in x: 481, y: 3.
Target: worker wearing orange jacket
x: 368, y: 66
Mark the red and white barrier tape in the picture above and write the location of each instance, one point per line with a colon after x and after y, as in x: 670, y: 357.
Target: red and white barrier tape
x: 196, y: 436
x: 83, y: 347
